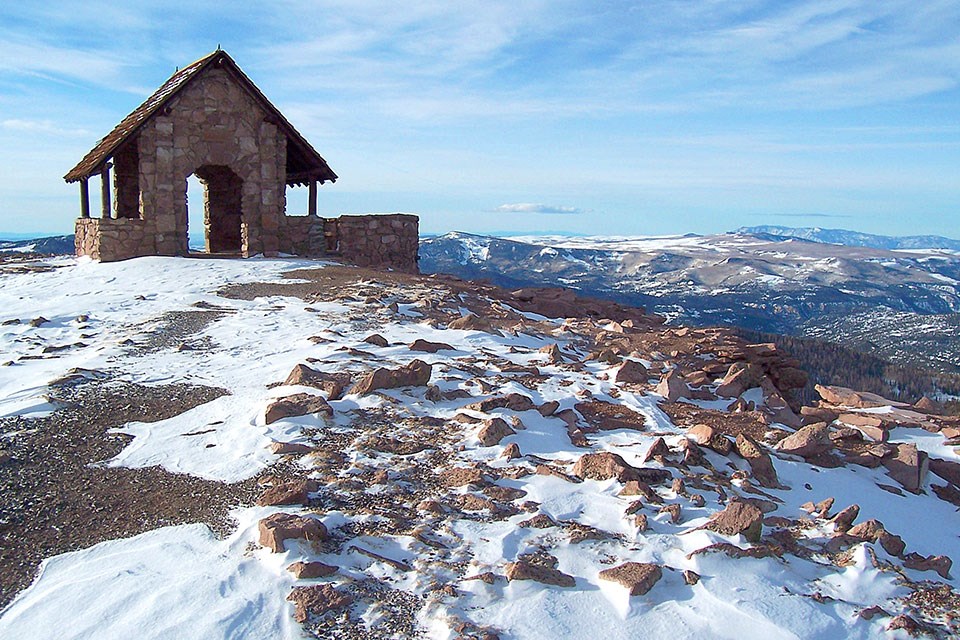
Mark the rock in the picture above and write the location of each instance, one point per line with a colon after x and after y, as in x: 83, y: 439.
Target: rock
x: 461, y: 476
x: 891, y: 543
x: 868, y: 530
x: 632, y: 372
x: 377, y: 340
x: 606, y: 465
x: 548, y: 408
x: 672, y: 386
x: 278, y: 527
x: 284, y: 448
x: 818, y: 414
x: 539, y: 521
x: 637, y: 577
x: 471, y: 322
x: 740, y: 377
x: 529, y: 567
x: 706, y: 436
x: 872, y: 612
x: 316, y: 600
x: 930, y: 406
x: 761, y: 466
x: 905, y: 623
x: 511, y: 451
x: 309, y: 570
x: 940, y: 564
x: 512, y: 401
x: 433, y: 393
x: 414, y: 374
x: 738, y: 518
x: 691, y: 577
x: 429, y: 347
x: 332, y: 383
x: 38, y: 321
x: 300, y: 404
x: 843, y: 521
x: 869, y: 425
x: 908, y: 467
x: 844, y: 397
x: 293, y: 492
x: 808, y: 441
x: 672, y: 510
x: 553, y: 353
x: 658, y: 449
x: 946, y: 469
x: 493, y: 431
x: 637, y: 488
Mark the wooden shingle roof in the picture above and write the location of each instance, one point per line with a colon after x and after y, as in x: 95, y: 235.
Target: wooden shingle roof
x: 303, y: 161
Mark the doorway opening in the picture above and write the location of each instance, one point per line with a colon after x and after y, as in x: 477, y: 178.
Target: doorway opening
x: 222, y: 216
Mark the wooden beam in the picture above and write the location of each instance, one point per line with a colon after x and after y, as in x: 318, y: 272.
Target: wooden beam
x: 312, y: 199
x: 105, y: 210
x: 84, y: 199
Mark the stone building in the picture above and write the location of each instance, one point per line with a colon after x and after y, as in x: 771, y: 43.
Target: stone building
x: 210, y: 120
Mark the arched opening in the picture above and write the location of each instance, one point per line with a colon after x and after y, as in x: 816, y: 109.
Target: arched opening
x: 222, y: 216
x: 196, y: 231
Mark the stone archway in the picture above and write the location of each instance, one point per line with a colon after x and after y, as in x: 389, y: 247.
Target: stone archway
x: 222, y: 208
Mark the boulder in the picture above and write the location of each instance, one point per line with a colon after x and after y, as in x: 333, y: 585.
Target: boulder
x: 429, y: 347
x: 930, y: 406
x: 471, y: 322
x: 946, y: 469
x: 317, y: 600
x: 293, y: 492
x: 493, y: 431
x: 761, y: 466
x: 512, y: 401
x: 738, y: 518
x: 309, y: 570
x: 414, y: 374
x: 740, y: 377
x: 548, y: 408
x: 606, y: 465
x: 278, y: 527
x: 553, y: 353
x: 843, y: 521
x: 658, y: 449
x: 672, y: 386
x: 529, y: 567
x: 300, y: 404
x: 332, y: 383
x: 844, y: 397
x: 940, y: 564
x: 376, y: 340
x: 908, y: 466
x: 808, y: 441
x: 637, y: 577
x: 867, y: 424
x: 706, y: 436
x: 461, y: 476
x: 632, y: 372
x: 285, y: 448
x: 511, y: 451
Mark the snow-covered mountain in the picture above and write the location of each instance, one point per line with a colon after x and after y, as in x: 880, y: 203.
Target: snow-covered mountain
x: 51, y: 245
x: 759, y: 282
x: 854, y: 238
x: 287, y: 449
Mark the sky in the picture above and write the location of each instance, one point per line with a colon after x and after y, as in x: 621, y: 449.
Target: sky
x: 616, y: 118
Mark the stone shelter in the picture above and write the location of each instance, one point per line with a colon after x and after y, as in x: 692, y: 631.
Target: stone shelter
x: 211, y: 121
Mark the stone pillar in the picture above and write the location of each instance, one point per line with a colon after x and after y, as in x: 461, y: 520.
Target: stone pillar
x: 170, y: 194
x: 312, y: 198
x: 126, y: 181
x: 105, y: 211
x: 272, y: 188
x: 84, y: 199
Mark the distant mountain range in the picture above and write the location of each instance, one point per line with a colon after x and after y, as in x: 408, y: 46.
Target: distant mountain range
x: 854, y: 238
x: 899, y: 305
x: 54, y: 245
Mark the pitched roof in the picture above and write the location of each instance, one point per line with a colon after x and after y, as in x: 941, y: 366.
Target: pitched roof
x: 303, y: 161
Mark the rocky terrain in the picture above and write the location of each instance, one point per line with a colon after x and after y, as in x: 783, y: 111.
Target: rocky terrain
x: 405, y: 456
x: 760, y: 282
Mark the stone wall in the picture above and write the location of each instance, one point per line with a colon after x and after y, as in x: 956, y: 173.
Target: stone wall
x: 111, y: 239
x: 386, y: 241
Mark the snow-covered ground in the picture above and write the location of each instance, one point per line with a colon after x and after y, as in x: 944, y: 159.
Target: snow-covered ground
x: 182, y: 581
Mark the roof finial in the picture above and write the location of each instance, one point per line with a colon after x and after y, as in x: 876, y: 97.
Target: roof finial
x: 218, y: 46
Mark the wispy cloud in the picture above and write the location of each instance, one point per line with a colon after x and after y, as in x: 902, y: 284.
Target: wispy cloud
x: 803, y: 215
x: 45, y: 127
x: 529, y: 207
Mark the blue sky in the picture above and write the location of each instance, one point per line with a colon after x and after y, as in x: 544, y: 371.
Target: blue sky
x: 647, y: 117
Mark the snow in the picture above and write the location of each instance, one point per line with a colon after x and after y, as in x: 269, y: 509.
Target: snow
x: 171, y: 582
x: 183, y: 580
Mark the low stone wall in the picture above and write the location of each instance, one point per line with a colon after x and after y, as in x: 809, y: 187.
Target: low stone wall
x: 387, y: 241
x: 112, y: 239
x: 377, y: 241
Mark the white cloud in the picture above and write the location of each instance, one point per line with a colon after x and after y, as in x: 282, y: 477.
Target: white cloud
x: 529, y: 207
x: 45, y: 127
